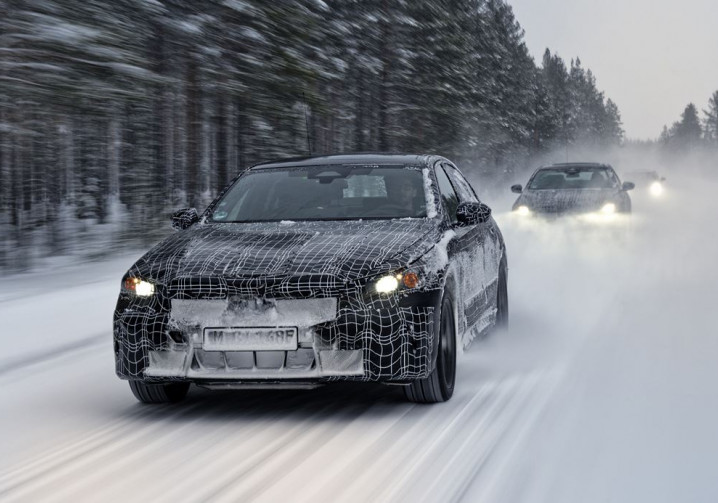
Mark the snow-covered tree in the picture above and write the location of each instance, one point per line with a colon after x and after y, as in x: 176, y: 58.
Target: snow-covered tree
x: 710, y: 122
x: 112, y: 114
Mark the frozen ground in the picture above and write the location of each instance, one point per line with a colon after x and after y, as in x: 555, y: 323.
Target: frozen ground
x: 604, y: 389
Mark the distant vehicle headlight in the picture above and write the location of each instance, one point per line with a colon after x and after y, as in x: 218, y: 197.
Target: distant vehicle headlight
x: 523, y: 210
x: 656, y: 189
x: 608, y: 209
x: 139, y: 287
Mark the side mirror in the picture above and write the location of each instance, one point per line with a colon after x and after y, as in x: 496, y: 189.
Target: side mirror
x: 628, y: 186
x: 472, y: 213
x: 184, y: 218
x: 517, y: 188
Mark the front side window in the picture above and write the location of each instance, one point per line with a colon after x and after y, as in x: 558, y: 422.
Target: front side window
x: 463, y: 189
x: 324, y: 193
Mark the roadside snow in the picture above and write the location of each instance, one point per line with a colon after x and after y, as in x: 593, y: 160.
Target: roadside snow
x: 51, y: 309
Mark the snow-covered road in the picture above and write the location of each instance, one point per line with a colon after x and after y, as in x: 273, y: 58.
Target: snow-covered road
x: 604, y: 389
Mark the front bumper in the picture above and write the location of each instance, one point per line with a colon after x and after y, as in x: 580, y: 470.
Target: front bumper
x: 585, y: 218
x: 339, y: 338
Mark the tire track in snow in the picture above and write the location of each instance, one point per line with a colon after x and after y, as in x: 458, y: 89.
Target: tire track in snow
x: 244, y: 447
x: 72, y: 460
x: 486, y: 485
x: 54, y: 457
x: 345, y: 456
x: 271, y: 470
x: 436, y: 475
x: 378, y: 468
x: 94, y: 342
x: 94, y: 463
x: 174, y: 450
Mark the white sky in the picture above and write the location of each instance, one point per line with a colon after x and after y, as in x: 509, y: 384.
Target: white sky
x: 652, y: 57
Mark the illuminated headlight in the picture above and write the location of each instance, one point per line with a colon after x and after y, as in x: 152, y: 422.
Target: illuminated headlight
x: 608, y: 209
x: 656, y: 189
x: 139, y: 287
x: 392, y: 282
x: 387, y: 284
x: 523, y: 210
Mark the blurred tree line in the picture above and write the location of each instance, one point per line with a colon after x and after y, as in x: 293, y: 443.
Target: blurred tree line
x: 690, y: 132
x: 115, y: 113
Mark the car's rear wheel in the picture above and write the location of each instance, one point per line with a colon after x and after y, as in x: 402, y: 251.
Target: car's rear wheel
x: 439, y: 385
x: 159, y: 393
x: 502, y: 298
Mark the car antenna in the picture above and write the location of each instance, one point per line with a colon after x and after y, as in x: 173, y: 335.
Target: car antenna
x: 306, y: 122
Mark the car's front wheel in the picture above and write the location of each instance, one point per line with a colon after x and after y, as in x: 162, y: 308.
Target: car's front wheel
x: 439, y: 385
x: 160, y: 392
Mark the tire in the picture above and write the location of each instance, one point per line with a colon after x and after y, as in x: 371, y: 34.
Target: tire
x: 439, y: 385
x: 502, y: 298
x: 159, y: 393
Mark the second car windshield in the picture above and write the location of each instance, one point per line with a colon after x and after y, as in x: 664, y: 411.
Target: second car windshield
x: 324, y: 193
x: 583, y: 178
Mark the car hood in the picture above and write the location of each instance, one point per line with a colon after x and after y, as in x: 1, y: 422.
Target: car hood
x: 349, y: 250
x: 565, y: 200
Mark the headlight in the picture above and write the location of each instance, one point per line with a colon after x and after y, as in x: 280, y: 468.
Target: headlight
x: 608, y: 209
x: 139, y: 287
x: 523, y: 210
x: 656, y: 189
x: 387, y: 284
x: 392, y: 282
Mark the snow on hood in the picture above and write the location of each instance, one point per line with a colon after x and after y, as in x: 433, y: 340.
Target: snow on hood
x: 346, y: 249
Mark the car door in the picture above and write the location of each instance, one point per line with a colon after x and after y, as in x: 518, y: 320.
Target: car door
x: 484, y: 270
x: 467, y: 259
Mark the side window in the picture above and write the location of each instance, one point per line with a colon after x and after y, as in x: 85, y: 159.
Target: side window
x: 448, y: 196
x: 463, y: 188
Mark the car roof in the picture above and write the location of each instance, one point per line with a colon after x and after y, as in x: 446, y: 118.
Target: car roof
x: 361, y: 159
x: 575, y: 165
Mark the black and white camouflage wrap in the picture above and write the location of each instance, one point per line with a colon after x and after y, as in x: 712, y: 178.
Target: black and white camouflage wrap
x: 317, y: 276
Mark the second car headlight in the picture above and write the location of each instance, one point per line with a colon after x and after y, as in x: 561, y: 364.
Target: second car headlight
x: 608, y: 209
x: 523, y: 210
x: 656, y: 189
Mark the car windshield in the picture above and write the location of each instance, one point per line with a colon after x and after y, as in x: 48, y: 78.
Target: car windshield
x: 324, y: 193
x: 574, y: 178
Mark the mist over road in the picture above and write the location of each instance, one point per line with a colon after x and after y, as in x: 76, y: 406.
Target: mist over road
x: 603, y: 389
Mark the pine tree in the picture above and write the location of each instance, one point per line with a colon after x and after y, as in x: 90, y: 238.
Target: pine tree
x: 710, y: 123
x: 118, y: 112
x: 612, y: 127
x: 687, y: 132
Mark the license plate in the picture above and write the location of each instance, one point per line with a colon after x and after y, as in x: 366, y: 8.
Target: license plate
x: 250, y: 339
